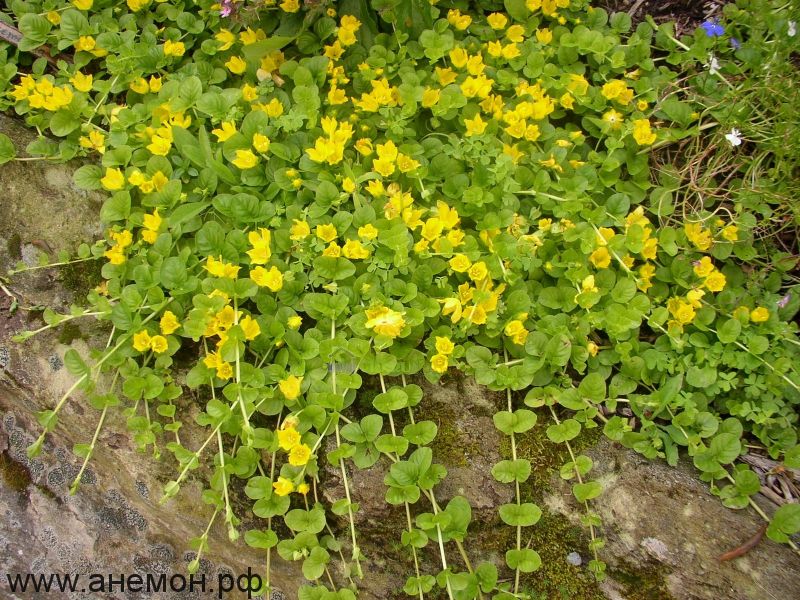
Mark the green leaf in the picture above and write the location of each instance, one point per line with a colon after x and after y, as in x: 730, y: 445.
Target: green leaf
x: 256, y: 538
x: 507, y: 471
x: 394, y: 399
x: 729, y: 331
x: 785, y: 522
x: 586, y: 491
x: 7, y: 150
x: 520, y: 515
x: 63, y: 122
x: 333, y: 268
x: 519, y: 421
x: 563, y: 432
x: 593, y: 387
x: 525, y: 559
x: 314, y: 565
x: 75, y: 364
x: 421, y: 433
x: 34, y: 29
x: 312, y: 521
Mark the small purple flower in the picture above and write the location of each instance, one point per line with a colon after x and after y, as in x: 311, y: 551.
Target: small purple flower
x: 784, y: 302
x: 735, y: 44
x: 713, y: 28
x: 226, y: 8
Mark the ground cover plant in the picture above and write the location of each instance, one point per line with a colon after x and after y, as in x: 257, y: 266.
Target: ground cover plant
x: 301, y: 196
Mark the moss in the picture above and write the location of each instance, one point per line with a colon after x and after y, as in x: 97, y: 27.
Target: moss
x: 451, y: 446
x: 69, y: 332
x: 545, y: 456
x: 553, y: 537
x: 15, y: 475
x: 14, y: 246
x: 641, y: 583
x: 81, y: 277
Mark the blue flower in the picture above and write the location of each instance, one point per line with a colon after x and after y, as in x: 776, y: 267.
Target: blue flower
x: 712, y: 28
x: 735, y: 44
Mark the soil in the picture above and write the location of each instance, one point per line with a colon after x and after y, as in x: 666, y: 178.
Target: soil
x: 687, y: 14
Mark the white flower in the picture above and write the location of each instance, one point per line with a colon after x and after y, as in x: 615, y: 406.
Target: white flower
x: 713, y: 64
x: 792, y: 29
x: 734, y: 137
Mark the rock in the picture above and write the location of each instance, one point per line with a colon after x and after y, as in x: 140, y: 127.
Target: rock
x: 574, y: 559
x: 666, y: 522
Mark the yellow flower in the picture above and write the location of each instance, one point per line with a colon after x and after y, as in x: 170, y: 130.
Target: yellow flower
x: 731, y: 233
x: 600, y: 258
x: 250, y: 327
x: 430, y: 97
x: 715, y: 282
x: 385, y: 321
x: 299, y: 455
x: 515, y: 33
x: 168, y: 323
x: 113, y: 179
x: 368, y: 232
x: 227, y: 129
x: 333, y: 249
x: 290, y: 387
x: 303, y: 488
x: 613, y: 118
x: 174, y: 48
x: 53, y: 17
x: 155, y: 84
x: 475, y: 126
x: 248, y: 36
x: 290, y: 6
x: 137, y: 5
x: 82, y: 4
x: 545, y: 36
x: 272, y: 278
x: 587, y: 285
x: 224, y: 370
x: 457, y: 20
x: 642, y: 133
x: 261, y: 142
x: 81, y: 82
x: 759, y: 315
x: 236, y: 65
x: 151, y: 224
x: 140, y: 86
x: 158, y: 343
x: 704, y: 267
x: 592, y: 348
x: 226, y: 38
x: 219, y: 268
x: 295, y: 322
x: 614, y: 90
x: 159, y: 146
x: 698, y: 235
x: 363, y: 146
x: 299, y: 230
x: 497, y: 20
x: 245, y: 159
x: 478, y: 272
x: 444, y: 345
x: 439, y: 363
x: 249, y: 92
x: 460, y: 263
x: 85, y: 43
x: 327, y: 233
x: 141, y: 341
x: 259, y: 240
x: 283, y: 487
x: 355, y: 250
x: 694, y: 296
x: 288, y: 438
x: 95, y: 140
